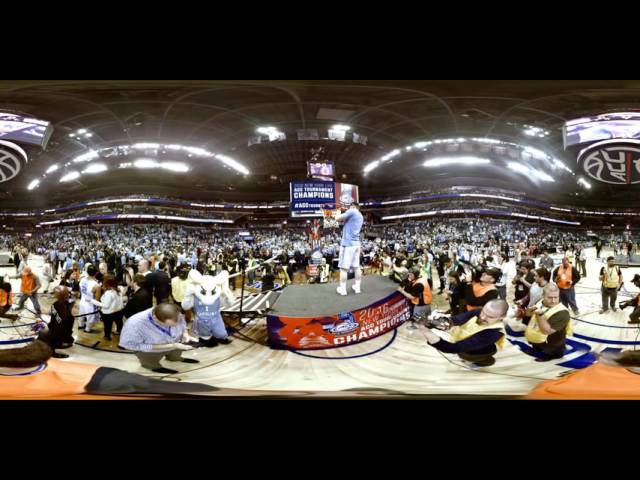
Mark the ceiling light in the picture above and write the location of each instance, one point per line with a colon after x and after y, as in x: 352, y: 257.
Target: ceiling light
x: 440, y: 161
x: 145, y: 163
x: 175, y: 166
x: 86, y: 157
x: 341, y: 127
x: 82, y: 130
x: 198, y: 151
x: 529, y: 172
x: 145, y: 146
x: 95, y: 168
x: 52, y: 168
x: 233, y: 164
x: 584, y: 183
x: 33, y: 184
x: 70, y: 176
x: 371, y: 166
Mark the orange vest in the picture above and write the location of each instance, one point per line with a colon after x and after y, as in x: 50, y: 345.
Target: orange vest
x: 426, y: 293
x: 566, y: 282
x: 28, y: 283
x: 6, y: 299
x: 596, y: 382
x: 479, y: 291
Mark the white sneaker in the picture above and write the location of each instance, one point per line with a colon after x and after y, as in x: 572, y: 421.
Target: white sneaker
x: 355, y: 289
x: 341, y: 291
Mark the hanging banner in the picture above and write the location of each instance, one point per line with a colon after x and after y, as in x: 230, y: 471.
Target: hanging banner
x: 309, y: 197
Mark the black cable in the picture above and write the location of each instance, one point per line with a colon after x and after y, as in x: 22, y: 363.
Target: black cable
x: 15, y: 327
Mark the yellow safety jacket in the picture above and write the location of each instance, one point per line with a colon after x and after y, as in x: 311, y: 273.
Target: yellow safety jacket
x: 533, y: 332
x: 462, y: 332
x: 611, y: 280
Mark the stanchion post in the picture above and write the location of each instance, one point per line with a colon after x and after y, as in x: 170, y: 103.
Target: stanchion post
x: 243, y: 265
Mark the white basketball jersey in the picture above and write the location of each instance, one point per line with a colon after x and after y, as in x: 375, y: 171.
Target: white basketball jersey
x: 86, y: 289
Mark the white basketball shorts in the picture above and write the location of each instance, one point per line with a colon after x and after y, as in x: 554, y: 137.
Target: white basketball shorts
x: 349, y: 257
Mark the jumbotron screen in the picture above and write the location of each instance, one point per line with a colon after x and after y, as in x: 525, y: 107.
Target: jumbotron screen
x: 24, y: 129
x: 602, y: 127
x: 320, y: 170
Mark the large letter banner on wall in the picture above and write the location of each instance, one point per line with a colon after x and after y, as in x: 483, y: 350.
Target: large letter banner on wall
x: 309, y: 197
x: 347, y: 328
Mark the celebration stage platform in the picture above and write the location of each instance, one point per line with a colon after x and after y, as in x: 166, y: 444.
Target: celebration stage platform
x: 5, y: 260
x: 626, y: 261
x: 315, y: 316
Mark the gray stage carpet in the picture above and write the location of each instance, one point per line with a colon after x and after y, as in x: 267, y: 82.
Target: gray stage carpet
x: 624, y: 261
x: 5, y: 261
x: 322, y: 299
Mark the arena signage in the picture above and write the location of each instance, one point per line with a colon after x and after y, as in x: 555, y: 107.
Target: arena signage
x: 24, y: 129
x: 12, y: 158
x: 602, y: 127
x: 612, y: 161
x: 309, y: 197
x: 300, y: 333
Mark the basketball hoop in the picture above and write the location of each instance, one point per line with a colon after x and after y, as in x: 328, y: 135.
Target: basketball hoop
x: 329, y: 216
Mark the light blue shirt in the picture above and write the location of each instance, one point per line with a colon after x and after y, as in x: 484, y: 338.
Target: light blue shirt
x: 352, y: 226
x: 141, y: 332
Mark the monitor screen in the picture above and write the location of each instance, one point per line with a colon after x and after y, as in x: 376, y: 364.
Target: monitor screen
x: 602, y: 127
x: 24, y: 129
x: 320, y: 170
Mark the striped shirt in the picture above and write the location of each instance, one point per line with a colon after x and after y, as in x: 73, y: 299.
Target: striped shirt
x: 141, y: 332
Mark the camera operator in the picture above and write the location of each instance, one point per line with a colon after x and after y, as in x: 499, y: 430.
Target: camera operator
x: 476, y: 336
x: 453, y: 294
x: 417, y: 290
x: 6, y: 297
x: 482, y: 287
x: 526, y: 305
x: 523, y: 280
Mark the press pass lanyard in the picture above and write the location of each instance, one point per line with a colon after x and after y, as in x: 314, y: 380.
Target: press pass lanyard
x: 166, y: 331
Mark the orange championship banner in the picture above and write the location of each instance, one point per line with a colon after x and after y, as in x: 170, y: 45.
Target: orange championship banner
x: 345, y: 328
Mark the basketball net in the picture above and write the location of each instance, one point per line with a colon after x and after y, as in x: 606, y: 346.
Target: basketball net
x: 329, y: 216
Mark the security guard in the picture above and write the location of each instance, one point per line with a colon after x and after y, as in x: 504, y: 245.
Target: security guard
x: 611, y: 278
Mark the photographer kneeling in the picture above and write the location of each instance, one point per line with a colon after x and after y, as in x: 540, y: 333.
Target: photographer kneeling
x: 416, y: 289
x: 476, y: 335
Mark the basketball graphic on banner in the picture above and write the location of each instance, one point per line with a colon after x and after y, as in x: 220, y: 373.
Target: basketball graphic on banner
x: 612, y: 161
x: 12, y: 158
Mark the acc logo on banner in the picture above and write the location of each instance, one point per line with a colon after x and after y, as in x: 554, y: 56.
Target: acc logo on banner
x: 612, y: 161
x: 12, y: 157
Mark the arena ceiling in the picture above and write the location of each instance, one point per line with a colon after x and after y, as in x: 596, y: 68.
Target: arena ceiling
x: 211, y: 127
